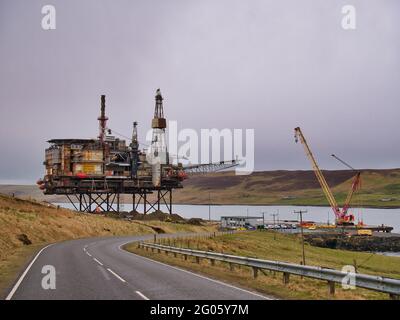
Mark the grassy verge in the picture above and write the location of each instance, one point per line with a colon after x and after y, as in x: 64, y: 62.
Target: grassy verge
x: 267, y: 245
x: 14, y: 265
x: 26, y: 226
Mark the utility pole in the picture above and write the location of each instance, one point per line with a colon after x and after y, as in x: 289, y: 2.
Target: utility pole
x: 273, y: 216
x: 263, y: 219
x: 300, y: 212
x: 209, y: 206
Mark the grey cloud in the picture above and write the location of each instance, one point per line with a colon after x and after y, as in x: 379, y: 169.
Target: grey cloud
x: 267, y: 65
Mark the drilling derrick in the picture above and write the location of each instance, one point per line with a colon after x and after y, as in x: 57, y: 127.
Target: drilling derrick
x: 158, y: 153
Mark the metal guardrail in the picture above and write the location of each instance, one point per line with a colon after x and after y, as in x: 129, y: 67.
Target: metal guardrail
x: 376, y: 283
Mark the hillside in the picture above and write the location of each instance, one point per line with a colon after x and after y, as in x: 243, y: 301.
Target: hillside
x: 380, y: 188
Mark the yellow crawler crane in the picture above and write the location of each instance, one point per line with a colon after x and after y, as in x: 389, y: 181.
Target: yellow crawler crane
x: 342, y: 216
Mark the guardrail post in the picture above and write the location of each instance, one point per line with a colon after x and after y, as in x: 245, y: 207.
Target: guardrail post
x: 212, y: 262
x: 197, y: 260
x: 231, y: 266
x: 175, y: 254
x: 286, y: 277
x: 301, y: 263
x: 155, y: 238
x: 331, y: 286
x: 185, y: 257
x: 159, y: 250
x: 255, y: 272
x: 166, y: 252
x: 152, y: 249
x: 138, y: 245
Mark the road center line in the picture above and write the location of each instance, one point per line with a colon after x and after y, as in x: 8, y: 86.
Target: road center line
x: 88, y: 254
x: 97, y: 261
x: 142, y: 295
x: 104, y: 272
x: 117, y: 276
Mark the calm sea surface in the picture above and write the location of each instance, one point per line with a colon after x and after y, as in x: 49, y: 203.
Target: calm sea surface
x: 389, y: 217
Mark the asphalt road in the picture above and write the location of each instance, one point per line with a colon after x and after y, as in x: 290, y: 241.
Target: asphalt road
x: 98, y: 268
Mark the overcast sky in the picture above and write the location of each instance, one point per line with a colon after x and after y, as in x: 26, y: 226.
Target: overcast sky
x: 267, y: 65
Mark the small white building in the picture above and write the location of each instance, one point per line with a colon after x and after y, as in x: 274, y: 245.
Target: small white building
x: 240, y: 221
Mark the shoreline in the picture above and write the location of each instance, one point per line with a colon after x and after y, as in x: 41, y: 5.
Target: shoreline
x: 261, y: 204
x: 285, y: 205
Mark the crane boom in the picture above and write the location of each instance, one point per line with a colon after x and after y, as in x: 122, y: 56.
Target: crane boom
x: 183, y: 172
x: 354, y: 186
x: 210, y: 167
x: 342, y: 218
x: 321, y: 179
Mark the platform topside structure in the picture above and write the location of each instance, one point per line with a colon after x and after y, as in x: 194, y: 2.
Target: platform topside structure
x: 94, y: 173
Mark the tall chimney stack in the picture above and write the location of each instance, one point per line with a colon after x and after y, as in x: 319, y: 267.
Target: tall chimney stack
x: 102, y: 119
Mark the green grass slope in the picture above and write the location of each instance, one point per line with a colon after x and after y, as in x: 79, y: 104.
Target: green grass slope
x: 379, y: 188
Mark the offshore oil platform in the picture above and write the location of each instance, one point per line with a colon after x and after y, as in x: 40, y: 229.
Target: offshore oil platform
x: 94, y: 173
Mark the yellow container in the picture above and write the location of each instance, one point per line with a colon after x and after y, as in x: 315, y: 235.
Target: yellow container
x: 88, y: 168
x: 364, y: 232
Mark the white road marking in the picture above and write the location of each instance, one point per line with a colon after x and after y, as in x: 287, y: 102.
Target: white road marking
x: 97, y: 261
x: 14, y: 289
x: 104, y: 272
x: 142, y: 295
x: 200, y: 276
x: 117, y: 276
x: 88, y: 254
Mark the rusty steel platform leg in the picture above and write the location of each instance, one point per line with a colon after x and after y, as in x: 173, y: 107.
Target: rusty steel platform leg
x: 144, y: 203
x: 170, y: 201
x: 158, y: 199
